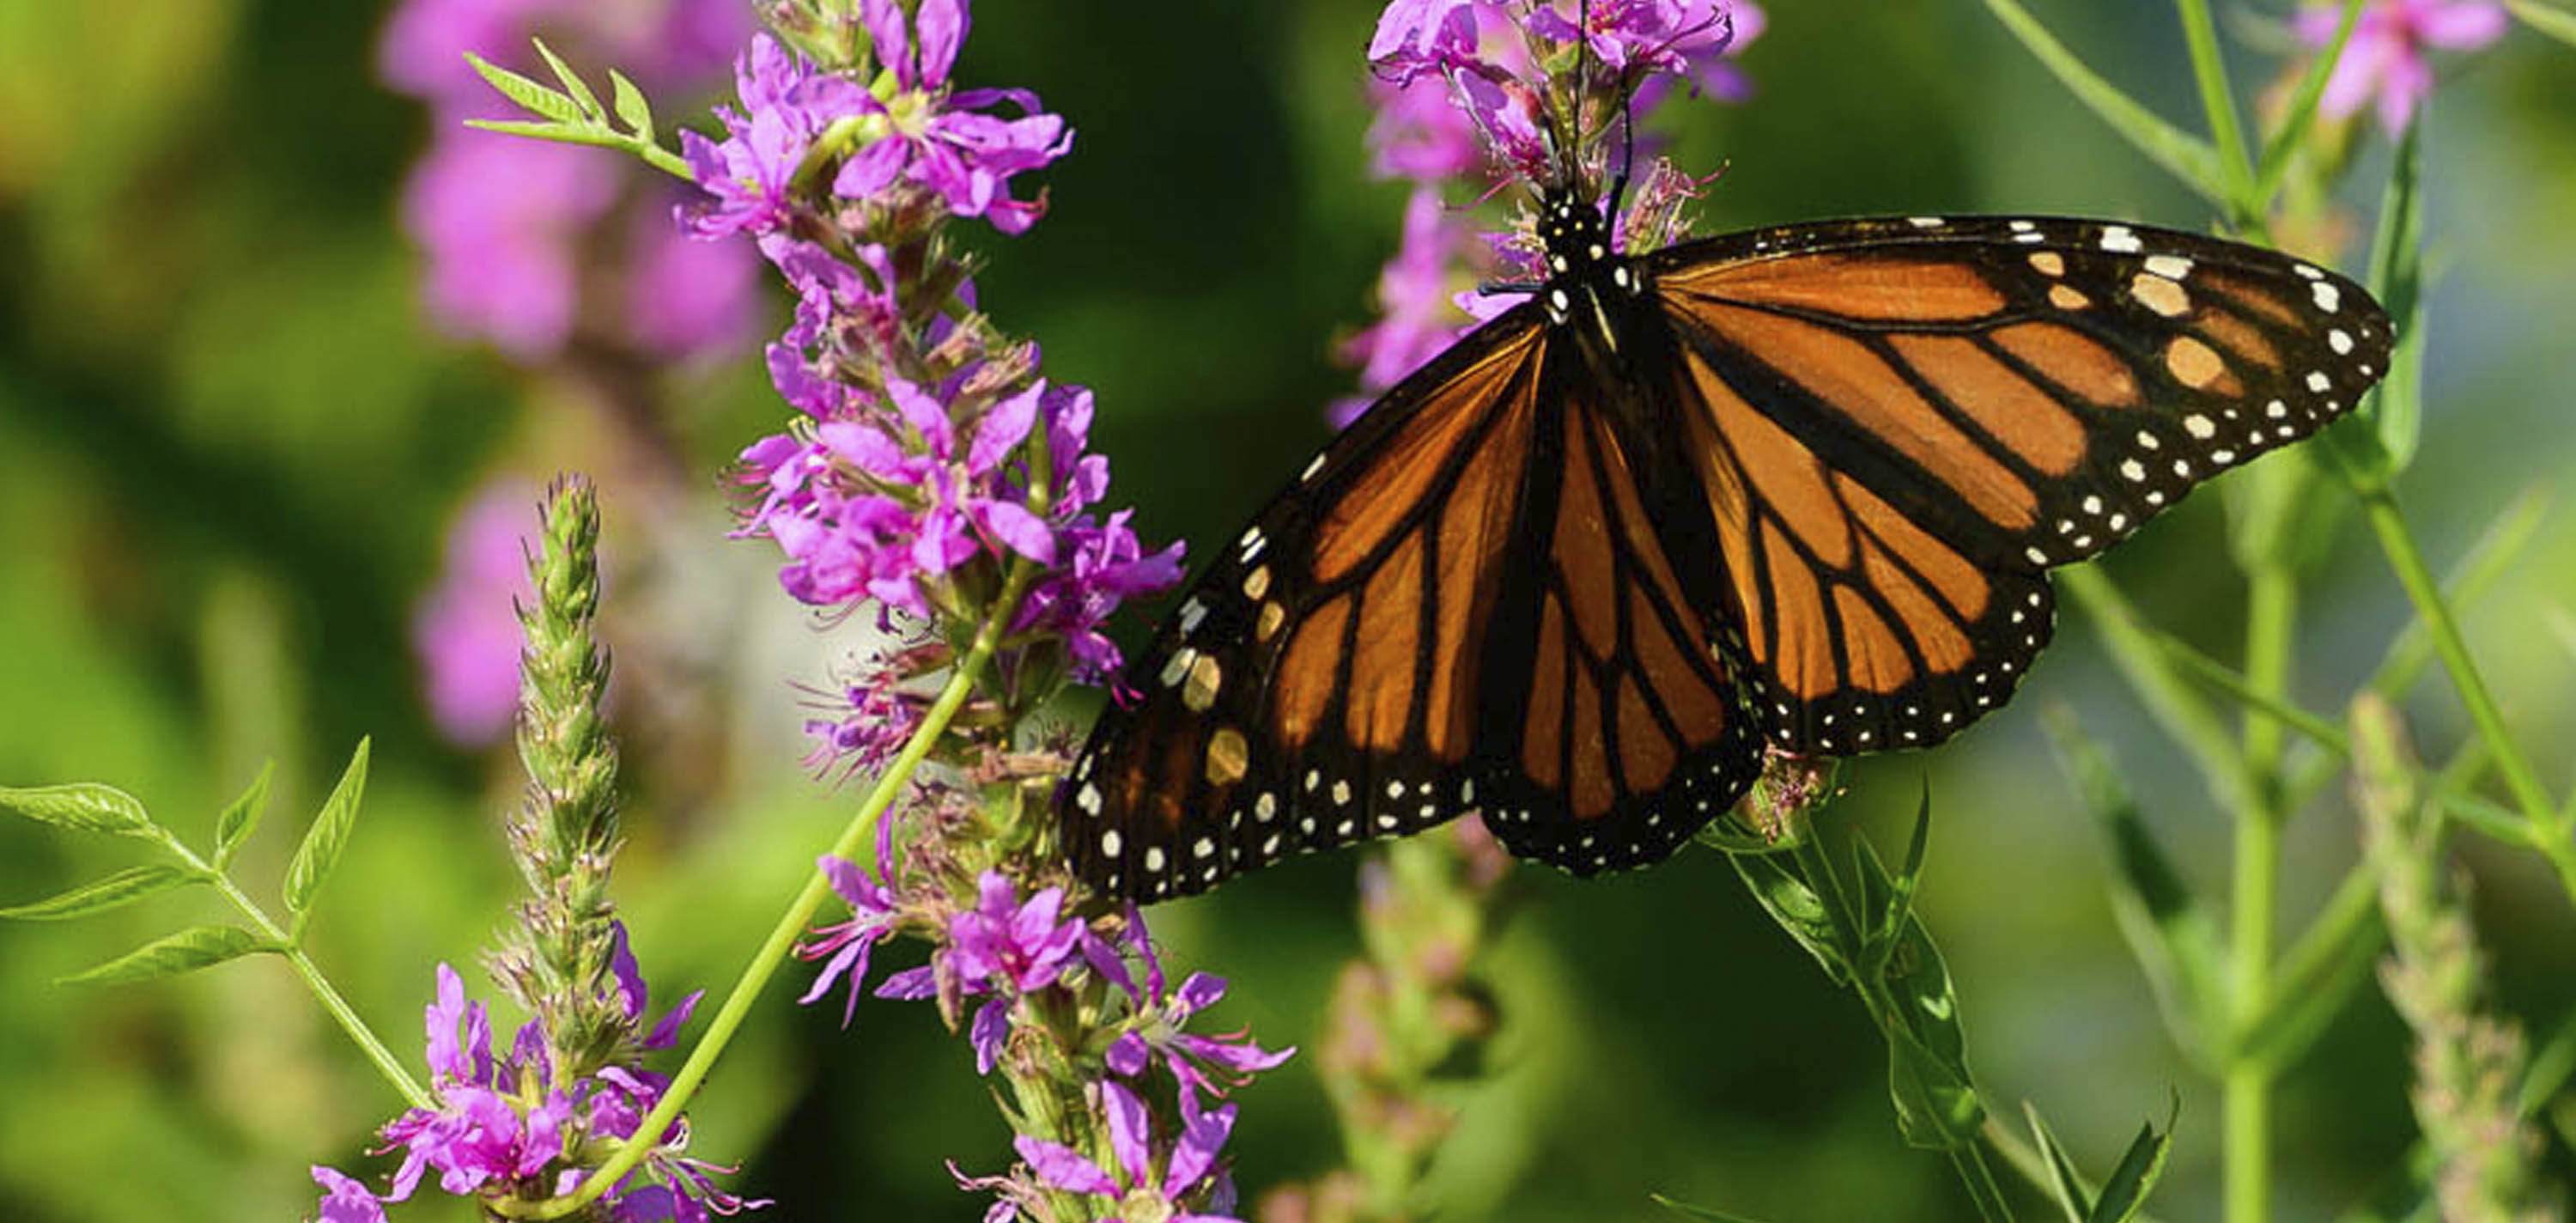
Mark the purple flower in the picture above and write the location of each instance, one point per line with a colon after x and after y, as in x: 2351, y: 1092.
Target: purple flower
x: 498, y: 219
x: 503, y: 1120
x: 2385, y: 57
x: 1661, y: 34
x: 873, y: 911
x: 1213, y: 1064
x: 1003, y: 941
x: 345, y: 1199
x: 684, y: 295
x: 1189, y: 1168
x: 941, y: 140
x: 1415, y: 292
x: 466, y: 629
x: 1415, y: 37
x: 1419, y: 133
x: 786, y: 104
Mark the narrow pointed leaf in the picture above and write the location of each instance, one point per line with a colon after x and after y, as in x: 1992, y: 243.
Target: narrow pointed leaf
x: 328, y: 835
x: 2173, y: 936
x: 99, y: 895
x: 594, y: 137
x: 2547, y: 18
x: 1795, y: 907
x: 234, y: 826
x: 632, y: 106
x: 2126, y: 1192
x: 87, y: 806
x: 573, y: 87
x: 2064, y: 1182
x: 1899, y: 903
x: 2185, y: 156
x: 186, y: 951
x: 531, y: 96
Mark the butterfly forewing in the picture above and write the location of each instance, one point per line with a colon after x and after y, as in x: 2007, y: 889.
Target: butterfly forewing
x: 1320, y: 682
x: 1902, y: 423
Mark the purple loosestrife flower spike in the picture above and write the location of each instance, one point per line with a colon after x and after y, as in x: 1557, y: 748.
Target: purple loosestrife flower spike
x: 1190, y: 1168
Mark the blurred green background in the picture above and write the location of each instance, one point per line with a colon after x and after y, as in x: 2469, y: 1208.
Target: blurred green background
x: 231, y: 440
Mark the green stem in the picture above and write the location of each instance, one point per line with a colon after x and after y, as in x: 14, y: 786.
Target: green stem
x: 800, y: 914
x: 341, y: 1012
x: 2271, y: 616
x: 2209, y: 70
x: 1970, y: 1160
x: 2548, y: 828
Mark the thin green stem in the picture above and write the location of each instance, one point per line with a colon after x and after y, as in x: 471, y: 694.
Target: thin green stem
x: 800, y: 913
x: 2209, y: 70
x: 2547, y: 826
x: 2247, y: 1082
x: 2271, y: 616
x: 1970, y: 1160
x: 341, y: 1012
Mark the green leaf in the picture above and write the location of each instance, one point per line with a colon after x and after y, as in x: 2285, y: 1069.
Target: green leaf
x: 632, y: 106
x: 1937, y: 1108
x: 531, y: 96
x: 574, y: 88
x: 328, y: 835
x: 122, y: 888
x: 2064, y: 1182
x: 233, y: 827
x: 2126, y: 1192
x: 2173, y: 936
x: 2185, y: 156
x: 1795, y: 907
x: 87, y: 806
x: 2549, y: 19
x: 2303, y: 111
x: 1687, y: 1210
x: 595, y: 137
x: 1896, y: 908
x: 186, y: 951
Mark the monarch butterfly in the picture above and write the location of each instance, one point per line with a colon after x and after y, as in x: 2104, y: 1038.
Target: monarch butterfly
x: 1799, y: 484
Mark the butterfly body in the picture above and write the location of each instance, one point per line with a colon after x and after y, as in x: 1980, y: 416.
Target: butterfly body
x: 1797, y: 485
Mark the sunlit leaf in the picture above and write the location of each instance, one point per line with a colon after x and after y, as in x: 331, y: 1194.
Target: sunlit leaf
x: 328, y: 835
x: 87, y: 806
x: 122, y: 888
x: 234, y: 826
x: 186, y: 951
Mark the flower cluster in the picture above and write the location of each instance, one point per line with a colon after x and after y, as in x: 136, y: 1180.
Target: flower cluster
x: 2385, y: 58
x: 1465, y: 84
x: 1026, y: 958
x: 511, y: 1124
x: 931, y: 458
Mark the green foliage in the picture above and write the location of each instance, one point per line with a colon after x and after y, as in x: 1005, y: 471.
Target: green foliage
x: 320, y: 850
x: 573, y: 115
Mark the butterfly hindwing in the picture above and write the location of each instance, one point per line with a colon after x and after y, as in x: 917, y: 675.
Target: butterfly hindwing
x: 1617, y: 729
x: 1902, y: 423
